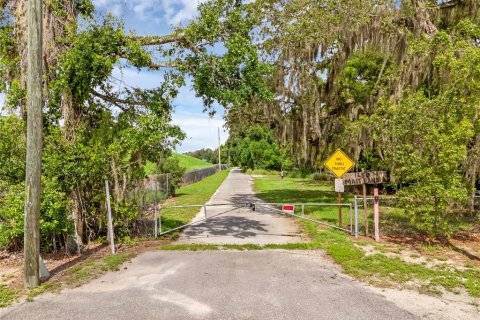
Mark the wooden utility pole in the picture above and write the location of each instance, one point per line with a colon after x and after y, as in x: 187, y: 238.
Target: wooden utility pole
x: 34, y: 144
x: 219, y: 152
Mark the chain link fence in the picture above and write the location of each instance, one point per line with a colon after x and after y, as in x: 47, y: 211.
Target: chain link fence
x: 200, y: 174
x: 137, y: 218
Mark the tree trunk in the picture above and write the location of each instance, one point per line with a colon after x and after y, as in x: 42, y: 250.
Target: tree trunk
x: 34, y: 145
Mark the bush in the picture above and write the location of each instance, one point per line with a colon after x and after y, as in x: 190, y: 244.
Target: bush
x: 54, y: 220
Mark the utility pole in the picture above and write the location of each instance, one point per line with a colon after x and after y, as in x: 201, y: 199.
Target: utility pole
x: 34, y: 144
x: 219, y: 152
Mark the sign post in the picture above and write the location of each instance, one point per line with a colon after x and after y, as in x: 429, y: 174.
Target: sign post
x: 363, y: 178
x: 339, y: 188
x: 376, y: 214
x: 365, y: 209
x: 339, y: 164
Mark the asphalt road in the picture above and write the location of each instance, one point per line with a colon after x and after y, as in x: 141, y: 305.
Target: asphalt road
x: 233, y: 223
x: 216, y: 285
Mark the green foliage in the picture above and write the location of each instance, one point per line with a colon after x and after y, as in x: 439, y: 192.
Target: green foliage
x: 53, y: 216
x: 363, y: 76
x: 205, y: 154
x: 256, y: 149
x: 235, y: 77
x: 124, y: 217
x: 12, y: 150
x: 172, y: 166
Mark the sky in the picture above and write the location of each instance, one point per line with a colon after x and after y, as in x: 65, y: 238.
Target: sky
x: 158, y: 17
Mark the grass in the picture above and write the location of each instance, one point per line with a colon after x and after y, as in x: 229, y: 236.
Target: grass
x: 191, y: 163
x: 197, y: 193
x: 273, y: 189
x: 185, y: 161
x: 377, y: 269
x: 77, y: 275
x: 94, y: 267
x: 7, y: 296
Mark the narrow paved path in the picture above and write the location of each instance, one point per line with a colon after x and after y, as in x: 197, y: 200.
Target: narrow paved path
x: 229, y: 224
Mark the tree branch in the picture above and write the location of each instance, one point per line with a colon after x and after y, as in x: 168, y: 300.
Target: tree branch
x: 118, y: 101
x: 159, y: 40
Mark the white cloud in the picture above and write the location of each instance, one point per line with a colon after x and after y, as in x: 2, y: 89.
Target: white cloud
x: 178, y: 11
x: 201, y: 130
x: 173, y: 12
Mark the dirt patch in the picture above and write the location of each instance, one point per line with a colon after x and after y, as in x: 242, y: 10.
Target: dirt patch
x: 448, y: 307
x: 59, y: 264
x: 460, y: 252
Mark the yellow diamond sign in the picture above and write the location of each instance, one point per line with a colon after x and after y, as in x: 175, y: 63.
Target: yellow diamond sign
x: 339, y: 163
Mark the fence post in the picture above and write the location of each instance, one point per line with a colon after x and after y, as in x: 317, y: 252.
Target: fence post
x: 160, y: 219
x: 109, y: 216
x: 155, y: 209
x: 376, y: 214
x: 168, y: 185
x: 351, y: 226
x: 303, y: 210
x: 356, y: 216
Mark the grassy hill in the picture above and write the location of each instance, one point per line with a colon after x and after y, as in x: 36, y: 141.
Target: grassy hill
x: 188, y: 162
x: 191, y: 163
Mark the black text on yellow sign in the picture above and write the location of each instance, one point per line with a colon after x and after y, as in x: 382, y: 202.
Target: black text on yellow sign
x: 339, y: 163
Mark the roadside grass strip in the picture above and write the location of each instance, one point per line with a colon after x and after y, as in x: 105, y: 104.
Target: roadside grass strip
x: 7, y: 296
x: 94, y: 267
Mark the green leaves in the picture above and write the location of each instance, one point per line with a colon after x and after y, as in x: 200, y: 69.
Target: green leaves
x: 255, y: 149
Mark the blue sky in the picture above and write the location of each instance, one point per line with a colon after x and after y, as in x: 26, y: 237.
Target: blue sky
x: 157, y: 17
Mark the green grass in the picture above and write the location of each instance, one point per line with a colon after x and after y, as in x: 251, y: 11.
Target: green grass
x: 197, y: 193
x: 377, y: 269
x: 93, y: 267
x: 7, y: 296
x: 191, y: 163
x: 185, y: 161
x: 273, y: 189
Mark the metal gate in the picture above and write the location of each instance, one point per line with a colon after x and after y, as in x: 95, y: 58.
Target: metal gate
x: 274, y: 208
x: 277, y: 208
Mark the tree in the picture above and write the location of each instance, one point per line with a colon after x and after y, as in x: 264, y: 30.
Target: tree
x: 95, y: 127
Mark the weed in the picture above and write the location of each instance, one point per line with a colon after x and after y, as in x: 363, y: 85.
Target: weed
x: 7, y: 296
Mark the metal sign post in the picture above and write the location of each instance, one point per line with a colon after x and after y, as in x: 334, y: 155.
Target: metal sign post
x: 339, y: 164
x: 109, y: 216
x: 376, y: 214
x: 339, y: 188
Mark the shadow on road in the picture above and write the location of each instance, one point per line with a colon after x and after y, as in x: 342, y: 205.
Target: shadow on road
x: 237, y: 227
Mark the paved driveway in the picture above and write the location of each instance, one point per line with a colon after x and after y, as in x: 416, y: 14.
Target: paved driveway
x: 228, y: 224
x: 217, y: 285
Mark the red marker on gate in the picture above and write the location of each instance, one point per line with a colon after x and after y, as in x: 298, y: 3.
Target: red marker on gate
x: 288, y: 208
